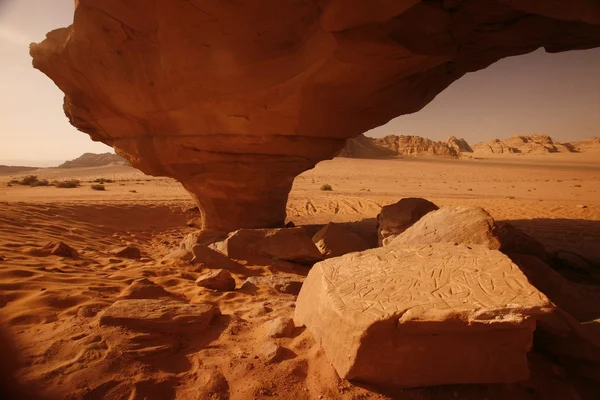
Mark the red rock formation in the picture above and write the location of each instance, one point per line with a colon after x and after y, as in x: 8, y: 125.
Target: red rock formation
x: 534, y: 144
x: 234, y: 99
x: 415, y: 146
x: 460, y: 145
x: 364, y: 147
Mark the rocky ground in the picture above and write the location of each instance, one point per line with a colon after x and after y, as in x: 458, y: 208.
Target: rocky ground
x: 124, y: 303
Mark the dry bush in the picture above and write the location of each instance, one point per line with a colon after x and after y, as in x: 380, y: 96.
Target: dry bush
x: 68, y: 184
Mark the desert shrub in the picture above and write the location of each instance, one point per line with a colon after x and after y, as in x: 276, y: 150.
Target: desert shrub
x: 103, y: 180
x: 69, y: 183
x: 41, y: 182
x: 98, y: 186
x: 29, y: 180
x: 326, y: 187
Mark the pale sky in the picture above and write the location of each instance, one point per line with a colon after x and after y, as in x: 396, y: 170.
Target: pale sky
x: 557, y: 94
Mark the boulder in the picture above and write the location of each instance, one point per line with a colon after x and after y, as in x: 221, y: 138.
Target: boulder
x: 204, y: 256
x: 219, y: 279
x: 279, y: 327
x: 271, y: 352
x: 283, y: 283
x: 144, y: 288
x: 333, y: 240
x: 422, y: 315
x: 179, y: 255
x: 56, y: 249
x: 288, y: 244
x: 201, y: 237
x: 128, y: 252
x: 514, y: 241
x: 572, y: 332
x: 580, y: 300
x: 159, y: 315
x: 396, y: 218
x: 463, y: 225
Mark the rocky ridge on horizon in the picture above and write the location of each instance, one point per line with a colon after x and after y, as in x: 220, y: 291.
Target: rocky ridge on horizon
x: 94, y: 160
x: 452, y: 147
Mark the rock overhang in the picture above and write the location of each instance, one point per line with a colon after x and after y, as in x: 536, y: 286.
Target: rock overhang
x: 236, y: 99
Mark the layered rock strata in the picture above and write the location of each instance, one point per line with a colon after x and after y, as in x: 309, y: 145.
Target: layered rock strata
x: 234, y: 99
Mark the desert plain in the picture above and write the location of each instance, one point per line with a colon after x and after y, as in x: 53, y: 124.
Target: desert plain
x: 51, y: 305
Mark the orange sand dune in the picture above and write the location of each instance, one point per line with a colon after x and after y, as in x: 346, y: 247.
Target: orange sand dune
x: 50, y: 305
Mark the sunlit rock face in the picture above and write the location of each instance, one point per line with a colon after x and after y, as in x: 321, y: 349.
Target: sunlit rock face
x: 236, y: 98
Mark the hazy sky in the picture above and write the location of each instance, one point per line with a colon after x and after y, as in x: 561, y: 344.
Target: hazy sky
x: 558, y: 94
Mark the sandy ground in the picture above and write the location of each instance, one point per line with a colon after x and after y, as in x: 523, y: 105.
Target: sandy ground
x: 51, y: 304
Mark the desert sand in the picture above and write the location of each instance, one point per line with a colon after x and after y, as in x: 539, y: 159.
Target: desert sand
x: 51, y: 304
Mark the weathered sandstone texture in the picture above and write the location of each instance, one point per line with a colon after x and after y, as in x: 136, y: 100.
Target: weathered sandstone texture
x: 333, y: 240
x: 289, y: 244
x: 234, y: 99
x: 398, y: 217
x: 159, y: 315
x: 415, y: 146
x: 460, y: 145
x: 422, y: 315
x: 464, y: 225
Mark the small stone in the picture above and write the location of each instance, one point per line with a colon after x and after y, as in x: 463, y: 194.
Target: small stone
x: 582, y: 206
x: 2, y: 258
x: 143, y: 289
x: 510, y: 197
x: 219, y: 279
x: 128, y: 252
x: 280, y: 327
x: 60, y: 249
x: 271, y: 351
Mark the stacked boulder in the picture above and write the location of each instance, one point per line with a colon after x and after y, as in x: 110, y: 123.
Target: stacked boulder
x: 438, y: 294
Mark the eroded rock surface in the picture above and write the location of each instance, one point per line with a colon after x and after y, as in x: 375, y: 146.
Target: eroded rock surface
x: 289, y: 244
x: 398, y: 217
x: 234, y: 99
x: 464, y: 225
x: 333, y: 240
x: 416, y: 146
x: 408, y: 316
x: 159, y: 315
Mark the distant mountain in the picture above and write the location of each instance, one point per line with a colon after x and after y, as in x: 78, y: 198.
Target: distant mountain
x: 586, y: 146
x: 364, y: 147
x: 394, y: 146
x: 14, y: 169
x: 533, y: 144
x: 94, y: 160
x: 415, y: 146
x: 460, y: 145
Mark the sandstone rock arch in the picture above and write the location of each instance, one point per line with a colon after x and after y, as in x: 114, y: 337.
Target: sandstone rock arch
x: 234, y: 99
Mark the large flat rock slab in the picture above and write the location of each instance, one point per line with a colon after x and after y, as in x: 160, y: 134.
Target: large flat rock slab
x: 160, y: 315
x: 422, y: 315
